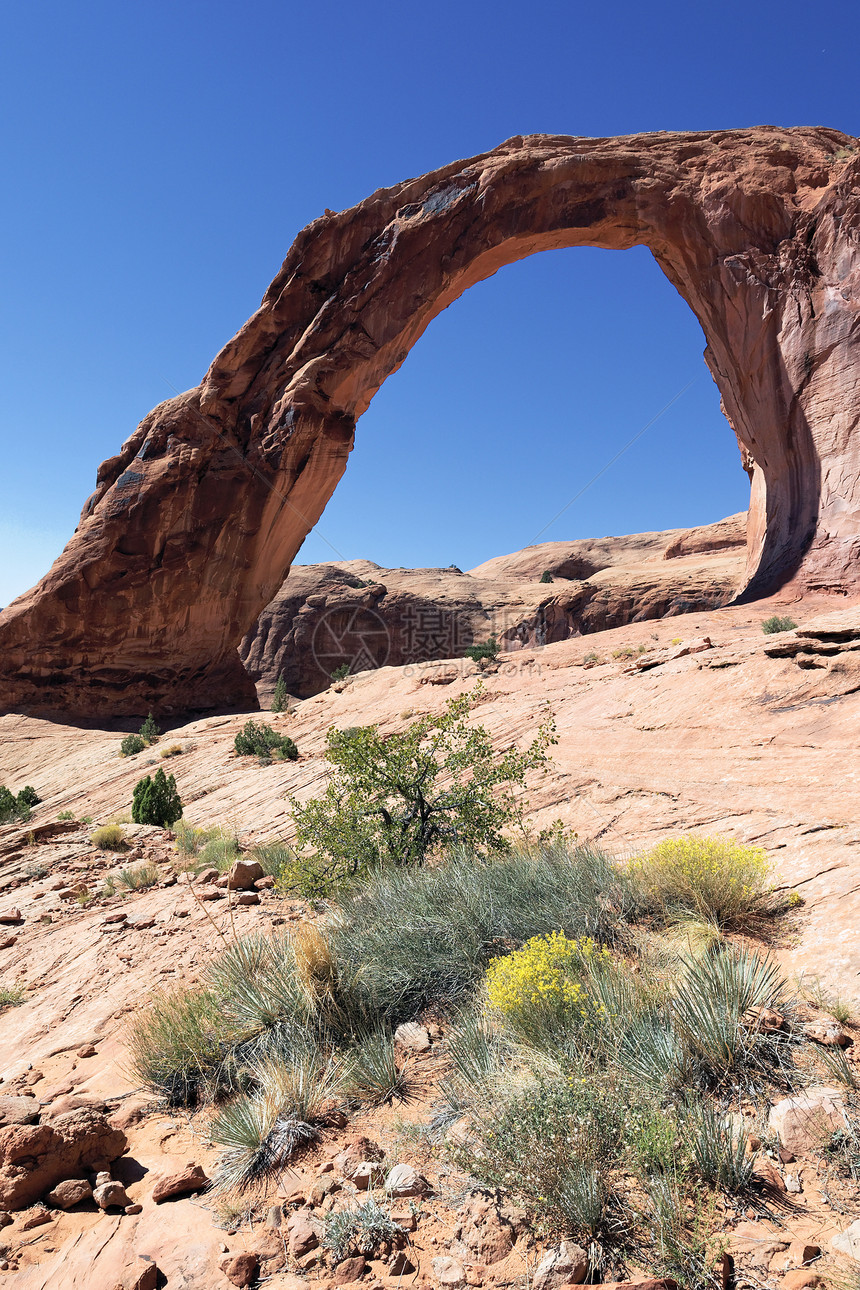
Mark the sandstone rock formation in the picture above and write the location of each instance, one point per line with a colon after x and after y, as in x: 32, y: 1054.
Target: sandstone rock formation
x: 358, y: 614
x: 194, y: 523
x: 34, y: 1158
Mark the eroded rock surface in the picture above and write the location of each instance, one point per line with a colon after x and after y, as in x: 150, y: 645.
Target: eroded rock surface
x: 195, y: 522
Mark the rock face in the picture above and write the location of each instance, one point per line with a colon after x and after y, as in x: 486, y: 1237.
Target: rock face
x: 195, y: 522
x: 34, y: 1158
x: 356, y: 613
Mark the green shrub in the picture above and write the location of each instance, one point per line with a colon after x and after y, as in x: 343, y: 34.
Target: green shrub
x: 178, y: 1044
x: 138, y: 878
x: 488, y: 650
x: 156, y: 801
x: 131, y: 745
x: 11, y: 996
x: 713, y: 880
x: 172, y: 750
x: 149, y: 731
x: 281, y: 698
x: 66, y: 815
x: 28, y: 796
x: 15, y: 808
x: 110, y: 837
x: 259, y: 740
x: 342, y: 672
x: 770, y: 626
x: 366, y: 1230
x: 719, y: 1153
x: 371, y: 1072
x: 396, y: 799
x: 546, y: 576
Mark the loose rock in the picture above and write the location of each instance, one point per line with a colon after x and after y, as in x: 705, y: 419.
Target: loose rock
x: 564, y: 1264
x: 241, y: 1269
x: 34, y: 1158
x: 403, y: 1180
x: 69, y: 1192
x: 188, y: 1180
x: 413, y: 1036
x: 805, y: 1123
x: 243, y: 874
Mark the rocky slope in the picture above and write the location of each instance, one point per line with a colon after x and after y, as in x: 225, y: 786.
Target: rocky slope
x: 196, y: 520
x: 360, y: 615
x: 723, y: 730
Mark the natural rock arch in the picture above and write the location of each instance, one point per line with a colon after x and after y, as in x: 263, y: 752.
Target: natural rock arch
x: 194, y: 524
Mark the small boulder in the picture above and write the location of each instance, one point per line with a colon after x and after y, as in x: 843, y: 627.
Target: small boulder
x: 565, y: 1264
x: 399, y: 1264
x: 143, y: 1275
x: 110, y: 1195
x: 354, y: 1153
x: 207, y: 876
x: 413, y: 1036
x: 801, y: 1279
x: 828, y: 1032
x: 69, y: 1192
x: 243, y: 874
x: 366, y: 1175
x: 403, y: 1180
x: 247, y: 898
x: 805, y: 1123
x: 241, y: 1269
x: 449, y: 1271
x: 12, y: 915
x: 184, y: 1183
x: 87, y: 1050
x: 848, y: 1242
x: 37, y: 1218
x: 350, y: 1269
x: 303, y: 1233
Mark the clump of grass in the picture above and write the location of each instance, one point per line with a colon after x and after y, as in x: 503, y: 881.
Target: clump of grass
x: 138, y: 878
x: 11, y: 996
x: 366, y: 1230
x: 719, y: 1152
x: 178, y: 1045
x: 713, y: 880
x: 839, y: 1008
x: 770, y: 626
x: 172, y: 750
x: 278, y: 861
x: 66, y: 815
x: 371, y: 1071
x: 110, y: 837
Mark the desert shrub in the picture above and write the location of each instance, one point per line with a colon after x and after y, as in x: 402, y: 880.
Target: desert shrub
x: 149, y: 731
x: 542, y: 990
x: 371, y: 1073
x: 172, y: 750
x: 365, y: 1230
x: 191, y: 840
x: 219, y: 849
x: 278, y: 861
x: 398, y: 799
x: 489, y: 649
x: 156, y: 801
x: 66, y: 815
x: 11, y: 996
x: 28, y: 796
x: 714, y: 880
x: 719, y: 1152
x: 110, y: 837
x: 256, y: 739
x: 770, y: 626
x: 713, y: 1011
x: 415, y: 936
x: 177, y: 1045
x: 546, y: 576
x: 553, y: 1145
x: 131, y: 745
x: 342, y: 672
x: 138, y: 878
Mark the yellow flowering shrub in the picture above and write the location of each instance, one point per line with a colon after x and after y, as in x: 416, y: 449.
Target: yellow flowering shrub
x: 714, y: 879
x: 546, y: 980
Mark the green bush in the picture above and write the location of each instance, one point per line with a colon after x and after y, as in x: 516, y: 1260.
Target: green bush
x: 139, y: 878
x: 149, y: 731
x: 156, y: 801
x: 131, y: 746
x: 770, y: 626
x: 259, y: 740
x: 366, y: 1230
x: 489, y: 650
x: 178, y: 1045
x: 17, y: 808
x: 342, y: 672
x: 397, y: 799
x: 11, y: 996
x: 546, y: 576
x: 110, y: 837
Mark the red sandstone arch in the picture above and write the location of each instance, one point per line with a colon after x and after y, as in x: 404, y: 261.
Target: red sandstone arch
x: 194, y: 524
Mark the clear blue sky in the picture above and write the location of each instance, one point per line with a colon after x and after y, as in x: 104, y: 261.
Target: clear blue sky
x: 159, y: 158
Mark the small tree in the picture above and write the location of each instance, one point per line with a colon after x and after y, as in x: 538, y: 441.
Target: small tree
x: 489, y: 649
x: 131, y: 745
x: 280, y: 699
x: 399, y: 798
x: 28, y: 796
x: 156, y: 801
x: 341, y: 673
x: 149, y: 731
x: 546, y: 576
